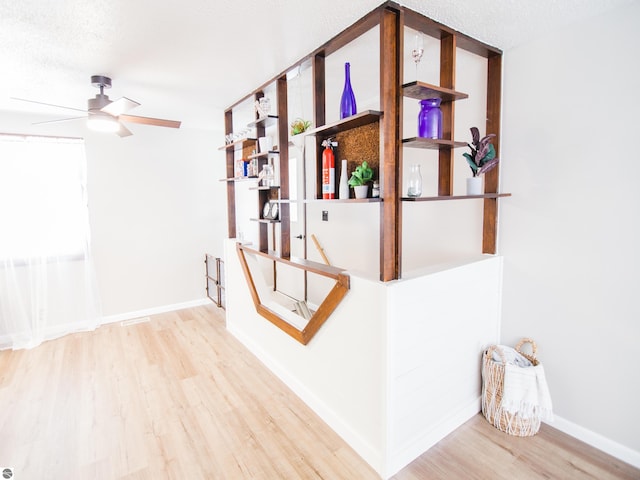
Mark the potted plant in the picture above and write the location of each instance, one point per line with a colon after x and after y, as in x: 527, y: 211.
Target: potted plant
x: 299, y: 126
x: 360, y: 178
x: 481, y: 159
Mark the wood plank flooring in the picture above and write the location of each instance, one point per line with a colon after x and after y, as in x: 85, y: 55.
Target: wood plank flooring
x: 180, y: 398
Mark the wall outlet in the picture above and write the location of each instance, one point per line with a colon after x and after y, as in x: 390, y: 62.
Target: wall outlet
x: 325, y: 216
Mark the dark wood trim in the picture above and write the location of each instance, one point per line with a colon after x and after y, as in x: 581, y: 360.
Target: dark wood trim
x: 319, y: 114
x: 456, y: 197
x: 390, y: 102
x: 417, y: 21
x: 283, y: 139
x: 413, y: 20
x: 325, y: 309
x: 447, y: 80
x: 230, y: 172
x: 349, y: 34
x: 491, y: 178
x: 354, y: 121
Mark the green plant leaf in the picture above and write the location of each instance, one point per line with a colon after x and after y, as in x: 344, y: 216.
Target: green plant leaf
x: 471, y: 162
x: 489, y: 155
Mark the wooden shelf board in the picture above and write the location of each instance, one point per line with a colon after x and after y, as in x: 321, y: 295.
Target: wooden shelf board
x: 265, y: 121
x: 455, y: 197
x: 308, y: 265
x: 262, y: 187
x: 431, y: 143
x: 263, y: 154
x: 345, y: 200
x: 421, y: 91
x: 237, y: 179
x: 264, y: 220
x: 238, y: 144
x: 354, y: 121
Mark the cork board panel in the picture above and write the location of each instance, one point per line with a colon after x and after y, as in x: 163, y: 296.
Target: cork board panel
x: 357, y: 145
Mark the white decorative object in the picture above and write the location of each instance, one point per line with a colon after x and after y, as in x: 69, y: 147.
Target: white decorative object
x: 474, y: 186
x: 361, y: 191
x: 265, y: 144
x: 263, y: 106
x: 344, y: 182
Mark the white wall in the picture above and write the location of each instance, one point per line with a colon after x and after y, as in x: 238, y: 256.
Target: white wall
x: 571, y: 231
x: 155, y: 207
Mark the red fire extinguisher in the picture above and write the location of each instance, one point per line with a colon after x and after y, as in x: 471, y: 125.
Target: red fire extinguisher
x: 328, y: 170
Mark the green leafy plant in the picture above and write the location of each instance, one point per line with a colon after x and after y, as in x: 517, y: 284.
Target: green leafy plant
x: 299, y: 126
x: 483, y: 154
x: 362, y: 175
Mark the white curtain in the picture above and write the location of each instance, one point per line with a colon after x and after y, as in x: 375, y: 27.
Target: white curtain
x: 47, y: 280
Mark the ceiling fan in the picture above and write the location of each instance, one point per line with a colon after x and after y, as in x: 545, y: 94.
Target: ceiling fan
x: 107, y: 115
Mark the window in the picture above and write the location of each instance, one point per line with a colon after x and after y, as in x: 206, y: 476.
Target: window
x: 43, y: 208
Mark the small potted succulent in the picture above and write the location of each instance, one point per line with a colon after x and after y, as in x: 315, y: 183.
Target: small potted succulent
x: 299, y: 126
x: 360, y: 178
x: 481, y: 159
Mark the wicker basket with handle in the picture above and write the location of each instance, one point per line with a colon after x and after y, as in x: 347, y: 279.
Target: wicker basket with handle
x: 493, y: 388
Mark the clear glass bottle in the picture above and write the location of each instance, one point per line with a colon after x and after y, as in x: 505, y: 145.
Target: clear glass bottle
x: 415, y: 182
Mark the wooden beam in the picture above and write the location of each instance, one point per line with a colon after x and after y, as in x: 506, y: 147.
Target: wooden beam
x: 230, y: 173
x: 447, y: 80
x: 390, y: 102
x: 283, y: 142
x: 491, y: 178
x: 319, y: 114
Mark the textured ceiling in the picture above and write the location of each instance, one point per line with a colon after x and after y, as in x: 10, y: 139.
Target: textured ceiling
x: 182, y: 60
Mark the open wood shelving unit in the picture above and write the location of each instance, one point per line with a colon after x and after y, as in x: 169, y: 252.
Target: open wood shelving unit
x: 391, y: 19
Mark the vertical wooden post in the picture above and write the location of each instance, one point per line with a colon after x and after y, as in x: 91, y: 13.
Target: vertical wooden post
x: 490, y: 217
x: 283, y: 147
x: 319, y: 113
x: 230, y: 172
x: 390, y: 224
x: 263, y: 228
x: 447, y: 80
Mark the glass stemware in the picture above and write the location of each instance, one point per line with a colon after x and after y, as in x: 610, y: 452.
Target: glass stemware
x: 418, y: 50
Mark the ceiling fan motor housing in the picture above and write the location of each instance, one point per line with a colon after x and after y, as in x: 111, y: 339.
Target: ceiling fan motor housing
x: 98, y: 103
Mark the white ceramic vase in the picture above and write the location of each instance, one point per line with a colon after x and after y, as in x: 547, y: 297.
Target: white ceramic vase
x: 474, y: 186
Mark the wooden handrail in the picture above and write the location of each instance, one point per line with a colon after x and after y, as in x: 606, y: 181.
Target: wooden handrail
x: 326, y: 308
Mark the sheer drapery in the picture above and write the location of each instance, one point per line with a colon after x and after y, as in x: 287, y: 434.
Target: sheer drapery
x: 47, y: 280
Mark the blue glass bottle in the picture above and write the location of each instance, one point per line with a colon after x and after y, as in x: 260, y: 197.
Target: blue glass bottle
x: 348, y: 100
x: 430, y: 119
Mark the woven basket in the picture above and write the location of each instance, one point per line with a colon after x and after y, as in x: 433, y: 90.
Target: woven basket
x: 493, y: 387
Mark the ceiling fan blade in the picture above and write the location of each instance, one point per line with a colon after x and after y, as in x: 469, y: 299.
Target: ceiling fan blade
x: 123, y: 131
x: 58, y: 120
x: 158, y: 122
x: 48, y: 104
x: 119, y: 106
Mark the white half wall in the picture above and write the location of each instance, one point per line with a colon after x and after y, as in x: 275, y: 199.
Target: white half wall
x: 571, y: 231
x: 396, y: 367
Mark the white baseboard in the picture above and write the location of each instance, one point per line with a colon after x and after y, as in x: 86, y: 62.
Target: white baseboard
x: 403, y: 455
x: 120, y: 317
x: 368, y: 453
x: 615, y: 449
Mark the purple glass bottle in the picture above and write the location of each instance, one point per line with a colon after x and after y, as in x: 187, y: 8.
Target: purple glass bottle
x: 348, y: 100
x: 430, y: 119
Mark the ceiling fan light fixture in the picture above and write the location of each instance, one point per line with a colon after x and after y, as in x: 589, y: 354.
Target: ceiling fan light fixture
x: 103, y: 122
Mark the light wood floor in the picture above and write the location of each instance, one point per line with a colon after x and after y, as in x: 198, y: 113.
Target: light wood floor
x: 179, y: 398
